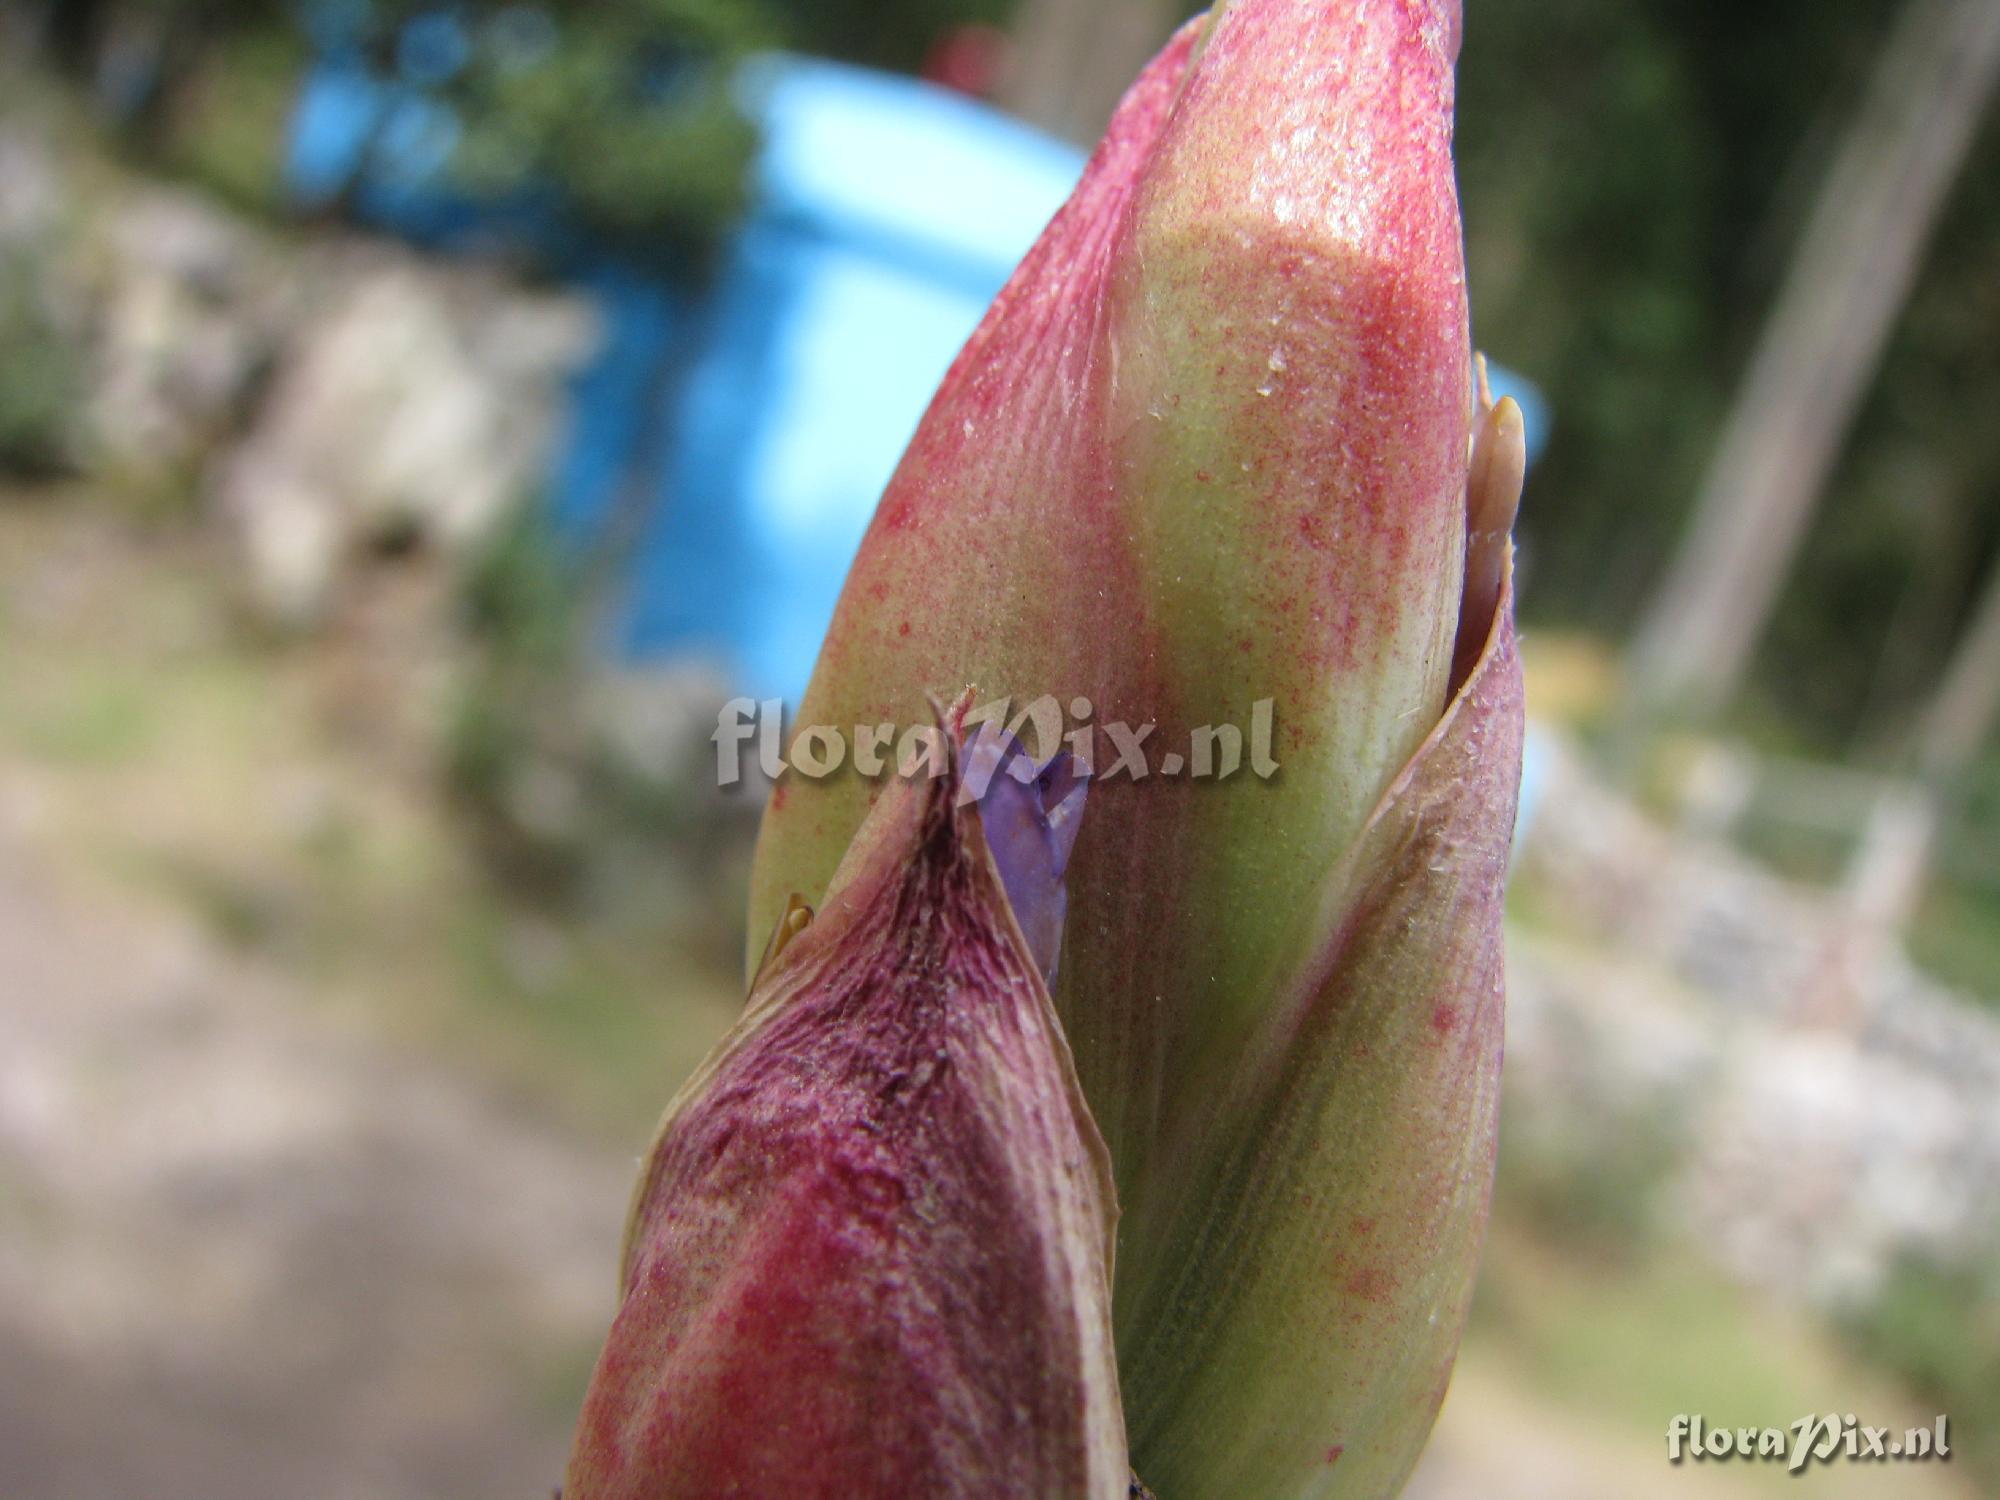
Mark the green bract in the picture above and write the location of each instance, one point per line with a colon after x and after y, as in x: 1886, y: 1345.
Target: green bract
x: 1214, y: 459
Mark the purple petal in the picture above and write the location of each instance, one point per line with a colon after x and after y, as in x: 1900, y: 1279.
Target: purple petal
x: 1030, y: 815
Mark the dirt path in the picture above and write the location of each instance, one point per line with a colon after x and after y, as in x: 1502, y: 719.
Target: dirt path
x: 244, y: 1252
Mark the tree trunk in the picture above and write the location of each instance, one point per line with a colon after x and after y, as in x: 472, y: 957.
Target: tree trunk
x: 1073, y: 59
x: 1817, y: 356
x: 1962, y: 716
x: 1892, y: 862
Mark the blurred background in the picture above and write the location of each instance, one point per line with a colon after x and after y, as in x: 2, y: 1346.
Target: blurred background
x: 414, y: 419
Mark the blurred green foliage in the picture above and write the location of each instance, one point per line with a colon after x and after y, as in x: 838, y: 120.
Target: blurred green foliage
x: 41, y: 378
x: 1656, y: 1332
x: 1938, y: 1326
x: 565, y: 813
x: 627, y: 103
x: 232, y: 107
x: 1634, y: 179
x: 523, y: 613
x: 1956, y: 933
x: 895, y: 34
x: 1599, y: 1192
x: 624, y: 106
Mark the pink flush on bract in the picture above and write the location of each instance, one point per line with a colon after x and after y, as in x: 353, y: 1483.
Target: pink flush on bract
x: 1218, y: 443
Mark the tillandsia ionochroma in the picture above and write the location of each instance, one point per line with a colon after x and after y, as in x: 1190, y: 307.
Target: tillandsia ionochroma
x: 1219, y: 441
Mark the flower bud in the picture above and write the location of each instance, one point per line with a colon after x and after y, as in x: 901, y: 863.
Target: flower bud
x: 1297, y: 1296
x: 1216, y: 446
x: 870, y: 1251
x: 1207, y: 451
